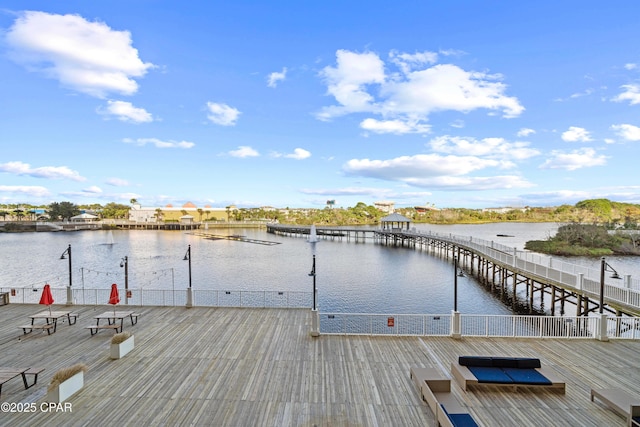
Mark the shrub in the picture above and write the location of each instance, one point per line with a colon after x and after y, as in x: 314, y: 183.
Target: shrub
x: 120, y: 337
x: 65, y: 373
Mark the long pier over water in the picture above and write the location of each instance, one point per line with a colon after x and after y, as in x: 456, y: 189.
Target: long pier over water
x: 505, y: 269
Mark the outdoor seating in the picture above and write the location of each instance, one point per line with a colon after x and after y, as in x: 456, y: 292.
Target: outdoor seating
x: 505, y: 372
x: 8, y: 373
x: 620, y: 402
x: 435, y: 389
x: 51, y: 318
x: 112, y: 318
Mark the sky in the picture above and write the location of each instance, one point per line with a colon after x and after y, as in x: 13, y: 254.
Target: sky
x: 469, y: 104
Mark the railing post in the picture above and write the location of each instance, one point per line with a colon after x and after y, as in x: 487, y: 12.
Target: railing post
x: 602, y: 335
x: 456, y: 325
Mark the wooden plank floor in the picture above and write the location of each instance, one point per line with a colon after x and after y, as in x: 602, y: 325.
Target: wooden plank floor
x: 260, y: 367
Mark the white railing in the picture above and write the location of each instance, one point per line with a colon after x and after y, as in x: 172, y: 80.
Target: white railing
x: 576, y: 277
x: 169, y: 297
x: 472, y: 325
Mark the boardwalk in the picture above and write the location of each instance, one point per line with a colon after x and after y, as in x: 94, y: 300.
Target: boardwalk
x: 259, y: 367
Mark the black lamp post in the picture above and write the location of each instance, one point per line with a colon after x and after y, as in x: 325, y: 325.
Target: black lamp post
x: 125, y: 263
x: 313, y: 274
x: 604, y: 266
x: 187, y: 257
x: 69, y: 294
x: 457, y: 272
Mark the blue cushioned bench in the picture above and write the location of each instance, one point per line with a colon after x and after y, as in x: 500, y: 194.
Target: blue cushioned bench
x: 513, y: 372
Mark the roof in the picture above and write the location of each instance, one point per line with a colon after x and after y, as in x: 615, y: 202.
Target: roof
x: 395, y: 217
x: 84, y: 216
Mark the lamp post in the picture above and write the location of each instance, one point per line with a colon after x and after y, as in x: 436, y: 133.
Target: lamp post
x: 69, y: 293
x: 604, y: 266
x: 455, y: 315
x: 187, y: 257
x: 125, y: 263
x: 315, y: 321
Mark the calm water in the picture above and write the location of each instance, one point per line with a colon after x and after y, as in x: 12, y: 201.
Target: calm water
x: 351, y: 277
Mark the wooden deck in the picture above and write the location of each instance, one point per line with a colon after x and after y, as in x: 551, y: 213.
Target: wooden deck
x: 234, y: 367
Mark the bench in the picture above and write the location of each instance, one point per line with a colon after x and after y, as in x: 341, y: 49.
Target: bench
x: 45, y: 327
x: 4, y: 298
x: 621, y: 402
x: 435, y: 389
x: 96, y: 328
x: 506, y: 372
x: 7, y: 374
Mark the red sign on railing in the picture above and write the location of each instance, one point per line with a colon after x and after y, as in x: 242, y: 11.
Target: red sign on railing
x: 390, y: 322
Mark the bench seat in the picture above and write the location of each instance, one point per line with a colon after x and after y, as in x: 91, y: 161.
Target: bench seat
x: 435, y: 389
x: 511, y: 373
x: 96, y: 328
x: 49, y: 327
x: 620, y: 402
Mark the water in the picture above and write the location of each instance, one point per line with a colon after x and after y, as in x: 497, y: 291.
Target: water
x: 351, y: 277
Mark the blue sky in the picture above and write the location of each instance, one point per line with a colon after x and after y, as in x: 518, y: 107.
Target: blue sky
x: 289, y: 103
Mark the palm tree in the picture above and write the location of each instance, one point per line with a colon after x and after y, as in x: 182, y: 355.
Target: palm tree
x: 200, y: 211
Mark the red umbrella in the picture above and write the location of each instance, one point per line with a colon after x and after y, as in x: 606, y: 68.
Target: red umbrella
x: 46, y: 298
x: 114, y: 298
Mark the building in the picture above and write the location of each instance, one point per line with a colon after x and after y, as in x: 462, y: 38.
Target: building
x: 385, y: 206
x: 169, y: 213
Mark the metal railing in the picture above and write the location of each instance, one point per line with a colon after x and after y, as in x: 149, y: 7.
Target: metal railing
x: 579, y: 278
x: 169, y: 297
x: 473, y: 325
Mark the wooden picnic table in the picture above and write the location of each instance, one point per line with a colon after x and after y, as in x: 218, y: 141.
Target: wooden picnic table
x: 51, y: 318
x: 112, y: 318
x: 8, y: 373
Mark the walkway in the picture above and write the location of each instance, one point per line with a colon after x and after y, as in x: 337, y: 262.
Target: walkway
x: 235, y: 367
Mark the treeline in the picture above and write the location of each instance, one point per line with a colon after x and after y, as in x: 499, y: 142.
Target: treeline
x: 613, y: 215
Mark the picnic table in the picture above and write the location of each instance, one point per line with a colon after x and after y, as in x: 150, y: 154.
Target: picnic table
x: 112, y: 318
x: 51, y: 318
x: 8, y: 373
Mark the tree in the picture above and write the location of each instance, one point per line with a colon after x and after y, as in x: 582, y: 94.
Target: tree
x: 116, y: 211
x: 63, y: 210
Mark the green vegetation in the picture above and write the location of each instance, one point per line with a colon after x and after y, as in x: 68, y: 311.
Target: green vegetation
x: 613, y: 215
x: 587, y: 240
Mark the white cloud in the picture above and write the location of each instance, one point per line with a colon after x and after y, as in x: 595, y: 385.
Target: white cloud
x: 117, y: 182
x: 628, y: 132
x: 576, y: 159
x: 407, y: 62
x: 159, y: 143
x: 576, y: 134
x: 94, y: 189
x: 497, y: 148
x: 126, y: 112
x: 631, y: 93
x: 434, y: 170
x: 360, y: 84
x: 244, y: 151
x: 34, y: 191
x: 48, y: 172
x: 275, y: 77
x: 397, y: 127
x: 88, y: 57
x: 222, y: 114
x: 299, y: 154
x: 630, y: 66
x: 524, y: 132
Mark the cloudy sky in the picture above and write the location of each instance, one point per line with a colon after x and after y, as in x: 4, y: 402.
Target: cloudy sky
x: 289, y: 103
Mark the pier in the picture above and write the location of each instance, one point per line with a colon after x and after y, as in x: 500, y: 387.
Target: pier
x: 504, y: 270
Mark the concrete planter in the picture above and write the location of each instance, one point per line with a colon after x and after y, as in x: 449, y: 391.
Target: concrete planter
x: 120, y: 350
x: 66, y: 389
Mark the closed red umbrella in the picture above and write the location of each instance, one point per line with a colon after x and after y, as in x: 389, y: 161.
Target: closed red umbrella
x: 114, y: 298
x: 46, y: 298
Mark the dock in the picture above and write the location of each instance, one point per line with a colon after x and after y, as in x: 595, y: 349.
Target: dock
x: 242, y: 366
